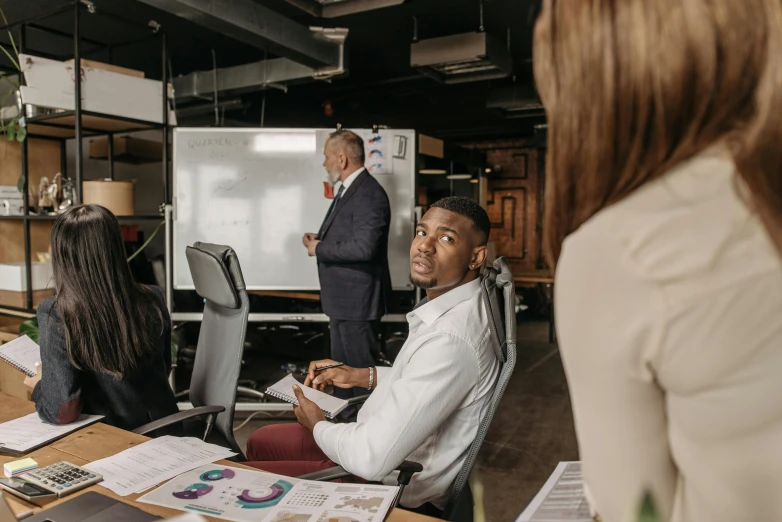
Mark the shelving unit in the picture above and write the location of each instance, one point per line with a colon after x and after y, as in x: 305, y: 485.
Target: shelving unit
x: 43, y: 153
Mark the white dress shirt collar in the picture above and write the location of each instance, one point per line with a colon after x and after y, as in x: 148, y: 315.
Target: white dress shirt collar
x: 348, y: 181
x: 430, y: 311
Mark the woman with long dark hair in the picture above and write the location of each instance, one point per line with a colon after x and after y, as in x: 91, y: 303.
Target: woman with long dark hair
x: 664, y: 222
x: 105, y: 340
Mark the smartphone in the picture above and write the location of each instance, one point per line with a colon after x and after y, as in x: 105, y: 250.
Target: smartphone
x: 25, y: 489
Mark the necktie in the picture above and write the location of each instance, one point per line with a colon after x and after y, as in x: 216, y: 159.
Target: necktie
x: 336, y: 200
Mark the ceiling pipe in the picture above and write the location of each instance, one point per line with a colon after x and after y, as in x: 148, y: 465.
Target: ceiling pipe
x: 256, y: 25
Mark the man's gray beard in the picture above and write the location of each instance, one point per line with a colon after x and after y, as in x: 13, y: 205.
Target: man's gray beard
x: 424, y: 285
x: 333, y: 177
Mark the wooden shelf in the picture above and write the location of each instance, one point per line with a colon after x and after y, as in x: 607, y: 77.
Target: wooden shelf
x: 16, y: 312
x: 63, y: 124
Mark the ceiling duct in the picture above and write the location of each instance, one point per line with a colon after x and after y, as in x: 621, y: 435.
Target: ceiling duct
x: 250, y: 22
x: 517, y: 101
x: 337, y: 8
x: 461, y: 58
x: 258, y: 76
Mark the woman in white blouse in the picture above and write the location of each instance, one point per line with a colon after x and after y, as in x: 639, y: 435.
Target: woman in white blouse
x: 664, y: 221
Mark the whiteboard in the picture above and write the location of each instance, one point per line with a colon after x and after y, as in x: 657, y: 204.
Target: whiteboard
x: 259, y: 190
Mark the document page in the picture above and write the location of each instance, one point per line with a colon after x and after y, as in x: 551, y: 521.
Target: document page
x: 30, y: 431
x: 561, y: 499
x: 244, y: 495
x: 143, y: 466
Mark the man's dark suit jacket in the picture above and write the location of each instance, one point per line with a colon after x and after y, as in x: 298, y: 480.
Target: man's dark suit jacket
x: 353, y: 253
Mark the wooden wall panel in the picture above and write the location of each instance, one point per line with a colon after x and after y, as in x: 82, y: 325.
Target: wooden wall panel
x: 43, y: 160
x: 513, y: 203
x: 11, y: 241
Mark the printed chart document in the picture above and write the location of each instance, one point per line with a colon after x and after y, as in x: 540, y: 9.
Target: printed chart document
x: 22, y: 353
x: 148, y: 464
x: 29, y: 432
x: 247, y: 495
x: 330, y: 405
x: 561, y: 499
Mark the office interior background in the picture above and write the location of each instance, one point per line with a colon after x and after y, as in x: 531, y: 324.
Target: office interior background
x: 456, y: 72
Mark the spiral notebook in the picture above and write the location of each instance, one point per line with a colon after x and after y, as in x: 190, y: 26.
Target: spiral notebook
x: 22, y: 353
x: 330, y: 405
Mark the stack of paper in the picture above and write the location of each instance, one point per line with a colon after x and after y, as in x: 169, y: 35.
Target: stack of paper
x: 141, y: 467
x: 30, y: 432
x: 561, y: 499
x: 17, y: 467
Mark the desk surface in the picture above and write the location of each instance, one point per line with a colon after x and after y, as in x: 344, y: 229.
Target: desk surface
x: 99, y: 441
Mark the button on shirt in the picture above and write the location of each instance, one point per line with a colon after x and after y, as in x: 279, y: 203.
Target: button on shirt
x: 428, y: 406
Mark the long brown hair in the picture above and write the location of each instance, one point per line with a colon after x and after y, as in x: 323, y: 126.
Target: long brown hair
x: 633, y: 87
x: 111, y: 323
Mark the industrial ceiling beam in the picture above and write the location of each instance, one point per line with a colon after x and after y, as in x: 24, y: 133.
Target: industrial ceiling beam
x: 321, y: 9
x: 256, y: 25
x: 240, y: 79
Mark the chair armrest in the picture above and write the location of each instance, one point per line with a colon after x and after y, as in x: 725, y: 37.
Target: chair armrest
x: 406, y: 471
x: 361, y: 399
x: 326, y: 474
x: 178, y: 417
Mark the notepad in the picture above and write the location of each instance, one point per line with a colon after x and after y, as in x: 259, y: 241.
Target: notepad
x: 16, y: 467
x: 330, y: 405
x: 22, y: 353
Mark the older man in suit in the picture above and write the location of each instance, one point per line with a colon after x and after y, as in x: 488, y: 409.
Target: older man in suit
x: 352, y: 252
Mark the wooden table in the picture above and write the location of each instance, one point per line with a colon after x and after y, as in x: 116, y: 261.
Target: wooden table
x: 540, y: 277
x: 99, y: 441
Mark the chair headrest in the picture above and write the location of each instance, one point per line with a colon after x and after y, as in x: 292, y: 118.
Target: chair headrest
x: 216, y: 273
x: 498, y: 292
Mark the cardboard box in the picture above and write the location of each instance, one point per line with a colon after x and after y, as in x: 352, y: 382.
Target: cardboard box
x: 116, y: 196
x: 9, y: 191
x: 13, y: 276
x: 12, y: 381
x: 128, y: 150
x: 50, y: 84
x: 19, y: 299
x: 109, y: 67
x: 11, y: 206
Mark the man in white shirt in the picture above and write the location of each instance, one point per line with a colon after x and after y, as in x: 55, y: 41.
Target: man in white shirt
x: 428, y: 406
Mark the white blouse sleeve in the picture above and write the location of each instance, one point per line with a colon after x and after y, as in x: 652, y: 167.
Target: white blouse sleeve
x: 610, y: 325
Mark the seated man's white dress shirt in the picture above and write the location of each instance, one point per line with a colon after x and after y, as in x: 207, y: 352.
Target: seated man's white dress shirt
x: 428, y: 406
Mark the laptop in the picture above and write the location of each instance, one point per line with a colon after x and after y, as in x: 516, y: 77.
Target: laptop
x: 92, y: 507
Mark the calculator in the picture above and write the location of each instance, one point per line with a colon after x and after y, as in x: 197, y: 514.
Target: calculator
x: 62, y: 478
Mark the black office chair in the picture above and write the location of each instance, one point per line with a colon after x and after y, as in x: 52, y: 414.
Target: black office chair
x: 218, y: 278
x: 499, y: 296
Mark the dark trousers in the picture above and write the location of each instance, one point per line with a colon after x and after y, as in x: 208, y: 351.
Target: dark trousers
x: 355, y: 344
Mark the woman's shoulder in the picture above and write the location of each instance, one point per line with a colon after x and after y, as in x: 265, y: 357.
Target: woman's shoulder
x: 47, y: 310
x: 155, y: 290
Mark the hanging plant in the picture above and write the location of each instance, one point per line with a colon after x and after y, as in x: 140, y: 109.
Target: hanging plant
x: 13, y: 127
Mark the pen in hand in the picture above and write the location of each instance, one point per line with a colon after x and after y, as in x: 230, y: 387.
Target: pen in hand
x: 330, y: 366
